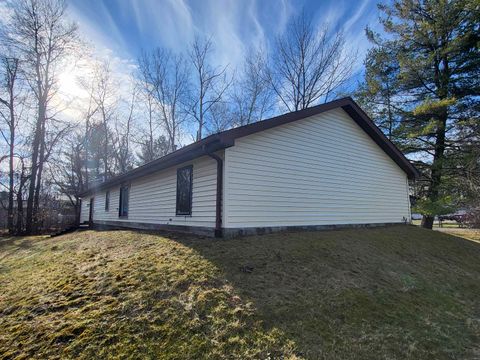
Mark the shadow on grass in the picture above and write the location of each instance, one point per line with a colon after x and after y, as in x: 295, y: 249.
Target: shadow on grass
x: 12, y: 245
x: 397, y: 292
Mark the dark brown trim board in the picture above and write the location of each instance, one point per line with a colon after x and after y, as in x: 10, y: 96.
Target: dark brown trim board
x: 219, y: 195
x: 227, y: 138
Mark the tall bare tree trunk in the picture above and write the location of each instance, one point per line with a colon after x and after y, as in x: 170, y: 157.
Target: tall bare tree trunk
x: 105, y: 148
x: 10, y: 66
x: 11, y: 229
x: 85, y: 163
x: 29, y: 221
x: 36, y: 200
x: 10, y: 170
x: 23, y: 179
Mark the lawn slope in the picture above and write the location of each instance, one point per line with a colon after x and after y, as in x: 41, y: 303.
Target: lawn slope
x: 398, y: 292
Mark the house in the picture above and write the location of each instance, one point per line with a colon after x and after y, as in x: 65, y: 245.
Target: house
x: 321, y: 167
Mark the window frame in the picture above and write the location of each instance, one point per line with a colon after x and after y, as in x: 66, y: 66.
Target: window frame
x: 120, y: 200
x: 178, y: 212
x: 107, y: 200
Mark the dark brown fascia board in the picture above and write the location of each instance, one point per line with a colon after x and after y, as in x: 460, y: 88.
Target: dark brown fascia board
x: 203, y: 147
x: 227, y: 138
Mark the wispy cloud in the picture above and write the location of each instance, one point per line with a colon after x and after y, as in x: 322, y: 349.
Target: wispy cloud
x: 126, y: 27
x: 5, y: 12
x: 168, y: 23
x: 351, y: 18
x: 357, y: 16
x: 107, y: 34
x: 364, y: 15
x: 234, y: 26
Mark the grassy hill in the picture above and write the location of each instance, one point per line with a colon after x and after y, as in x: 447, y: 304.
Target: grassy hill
x: 398, y: 293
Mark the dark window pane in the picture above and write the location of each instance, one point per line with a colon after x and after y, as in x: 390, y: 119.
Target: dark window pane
x: 123, y: 206
x: 184, y: 191
x: 107, y: 200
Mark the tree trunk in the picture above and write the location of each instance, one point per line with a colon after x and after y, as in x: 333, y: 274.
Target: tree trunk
x: 34, y: 169
x: 427, y: 221
x: 87, y: 144
x: 200, y: 123
x: 36, y: 200
x: 78, y: 205
x: 105, y: 148
x: 19, y: 224
x: 173, y: 133
x: 437, y: 165
x: 11, y: 228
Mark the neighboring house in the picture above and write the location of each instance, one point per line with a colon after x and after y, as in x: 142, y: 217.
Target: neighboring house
x: 324, y: 166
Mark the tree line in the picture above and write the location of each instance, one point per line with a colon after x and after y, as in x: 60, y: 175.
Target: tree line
x: 420, y: 86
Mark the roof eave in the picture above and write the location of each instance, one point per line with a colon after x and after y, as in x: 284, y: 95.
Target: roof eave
x: 227, y: 138
x: 188, y: 153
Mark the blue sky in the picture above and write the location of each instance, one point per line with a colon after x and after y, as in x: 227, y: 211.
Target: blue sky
x: 125, y: 27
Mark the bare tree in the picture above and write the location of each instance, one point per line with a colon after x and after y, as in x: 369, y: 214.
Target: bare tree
x: 308, y: 65
x: 221, y: 118
x: 23, y: 178
x: 68, y: 173
x: 209, y: 84
x: 89, y: 85
x: 122, y: 148
x: 165, y: 80
x: 41, y: 35
x: 147, y: 133
x: 252, y: 97
x: 105, y: 98
x: 147, y: 129
x: 94, y: 142
x: 9, y: 88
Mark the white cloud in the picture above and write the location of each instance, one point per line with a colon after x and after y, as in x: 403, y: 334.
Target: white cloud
x: 357, y: 16
x: 234, y: 26
x: 5, y: 13
x: 353, y: 28
x: 107, y: 34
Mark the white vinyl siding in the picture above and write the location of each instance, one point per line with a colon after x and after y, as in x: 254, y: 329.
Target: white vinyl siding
x: 152, y: 198
x: 322, y: 170
x: 84, y: 210
x: 99, y: 212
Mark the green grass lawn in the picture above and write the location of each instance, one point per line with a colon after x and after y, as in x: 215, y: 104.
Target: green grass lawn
x: 391, y: 293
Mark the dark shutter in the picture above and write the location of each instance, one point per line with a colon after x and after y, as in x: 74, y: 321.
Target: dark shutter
x: 184, y: 190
